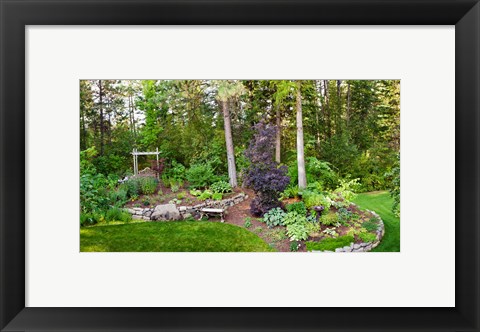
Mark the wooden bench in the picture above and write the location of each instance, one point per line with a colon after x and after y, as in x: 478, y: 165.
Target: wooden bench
x: 208, y: 211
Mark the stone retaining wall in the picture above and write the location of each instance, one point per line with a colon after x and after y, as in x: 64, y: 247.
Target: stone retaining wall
x: 174, y: 212
x: 364, y: 246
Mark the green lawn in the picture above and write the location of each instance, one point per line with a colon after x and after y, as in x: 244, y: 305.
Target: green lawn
x: 170, y: 237
x: 381, y: 203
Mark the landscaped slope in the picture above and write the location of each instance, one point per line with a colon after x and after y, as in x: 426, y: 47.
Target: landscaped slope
x: 381, y: 203
x: 180, y: 236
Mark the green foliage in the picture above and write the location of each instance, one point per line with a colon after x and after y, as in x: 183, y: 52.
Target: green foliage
x: 174, y: 187
x: 312, y: 199
x: 276, y: 234
x: 329, y: 219
x: 371, y: 224
x: 181, y: 195
x: 298, y: 207
x: 321, y: 171
x: 297, y: 231
x: 330, y: 244
x: 330, y: 232
x: 217, y: 196
x: 175, y: 172
x: 345, y: 215
x: 132, y: 186
x: 146, y: 202
x: 248, y: 223
x: 207, y: 194
x: 117, y: 214
x: 367, y: 237
x: 394, y: 177
x: 195, y: 192
x: 148, y: 185
x: 347, y: 188
x: 354, y: 231
x: 190, y: 236
x: 313, y: 228
x: 221, y: 187
x: 274, y: 217
x: 290, y: 192
x: 294, y: 218
x: 294, y: 246
x: 258, y: 230
x: 200, y: 175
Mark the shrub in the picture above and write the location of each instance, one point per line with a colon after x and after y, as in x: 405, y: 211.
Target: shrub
x: 348, y: 188
x: 290, y: 192
x: 174, y: 187
x: 345, y: 215
x: 117, y: 214
x: 353, y: 231
x: 298, y: 207
x: 195, y: 192
x: 313, y: 228
x: 330, y: 232
x: 221, y: 187
x: 133, y: 187
x: 367, y: 237
x: 274, y: 217
x: 371, y: 224
x: 294, y: 246
x: 148, y: 185
x: 207, y: 194
x: 248, y: 223
x: 329, y: 219
x: 200, y: 175
x: 294, y: 218
x: 330, y: 243
x: 394, y: 177
x: 313, y: 199
x: 217, y: 196
x: 146, y: 202
x: 297, y: 231
x: 87, y: 219
x: 119, y: 197
x: 181, y: 195
x: 264, y: 175
x: 176, y: 171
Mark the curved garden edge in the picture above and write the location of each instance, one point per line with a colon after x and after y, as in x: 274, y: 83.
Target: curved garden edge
x: 364, y: 246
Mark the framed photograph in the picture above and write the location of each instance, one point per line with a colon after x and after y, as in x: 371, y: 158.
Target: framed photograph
x: 236, y: 165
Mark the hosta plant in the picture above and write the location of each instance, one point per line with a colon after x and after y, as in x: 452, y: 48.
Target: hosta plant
x: 297, y: 232
x: 274, y: 217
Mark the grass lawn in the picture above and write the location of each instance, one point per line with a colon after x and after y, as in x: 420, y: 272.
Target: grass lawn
x: 381, y: 203
x: 170, y: 237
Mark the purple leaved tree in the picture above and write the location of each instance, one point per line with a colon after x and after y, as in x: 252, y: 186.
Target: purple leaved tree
x: 264, y: 175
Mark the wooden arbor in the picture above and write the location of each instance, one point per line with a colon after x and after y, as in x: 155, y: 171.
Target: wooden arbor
x: 136, y: 153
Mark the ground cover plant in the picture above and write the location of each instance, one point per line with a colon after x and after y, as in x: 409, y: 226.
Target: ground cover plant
x: 302, y: 151
x: 170, y: 237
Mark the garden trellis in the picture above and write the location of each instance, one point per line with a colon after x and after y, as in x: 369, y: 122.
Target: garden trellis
x: 135, y: 155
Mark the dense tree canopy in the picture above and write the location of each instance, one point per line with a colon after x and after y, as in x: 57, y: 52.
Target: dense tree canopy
x: 353, y: 126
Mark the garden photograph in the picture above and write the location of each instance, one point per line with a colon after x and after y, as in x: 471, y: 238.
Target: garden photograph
x: 308, y: 166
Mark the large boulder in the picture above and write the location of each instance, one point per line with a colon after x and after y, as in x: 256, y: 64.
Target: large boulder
x: 165, y: 212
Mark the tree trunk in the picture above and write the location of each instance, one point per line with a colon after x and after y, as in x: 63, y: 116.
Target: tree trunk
x: 101, y: 116
x: 348, y: 106
x: 327, y: 107
x: 232, y: 171
x: 278, y: 135
x: 83, y: 140
x: 302, y: 179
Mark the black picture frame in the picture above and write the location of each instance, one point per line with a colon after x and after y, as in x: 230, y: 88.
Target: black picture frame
x: 16, y: 14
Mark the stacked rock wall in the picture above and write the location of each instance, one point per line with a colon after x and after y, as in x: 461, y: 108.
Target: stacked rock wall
x: 364, y: 246
x: 165, y: 212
